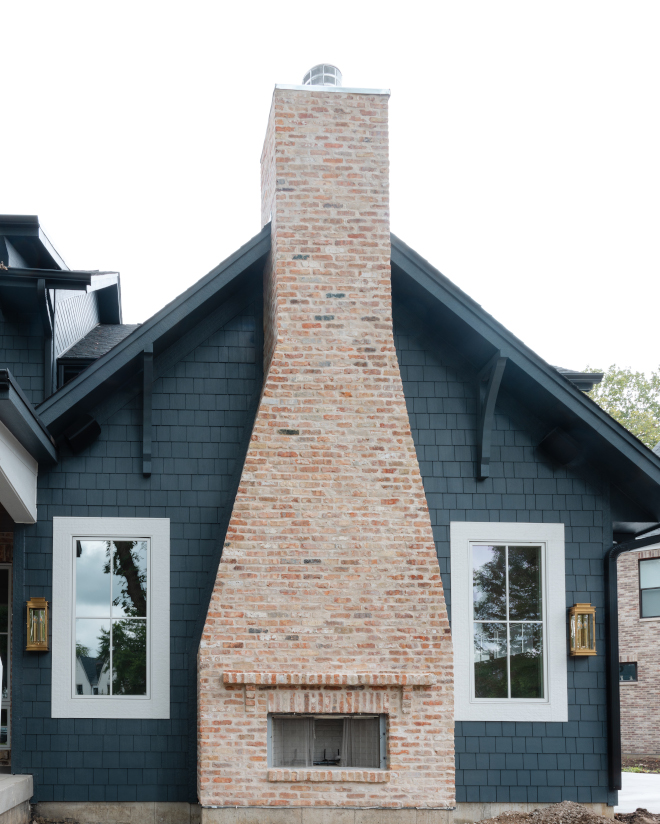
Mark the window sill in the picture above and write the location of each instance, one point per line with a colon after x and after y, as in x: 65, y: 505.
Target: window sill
x: 361, y: 776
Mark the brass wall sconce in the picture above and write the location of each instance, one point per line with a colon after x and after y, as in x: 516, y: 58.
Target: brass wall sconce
x: 37, y: 625
x: 582, y: 621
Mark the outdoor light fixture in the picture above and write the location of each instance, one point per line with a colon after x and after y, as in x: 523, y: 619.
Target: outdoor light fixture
x: 37, y: 625
x: 582, y: 619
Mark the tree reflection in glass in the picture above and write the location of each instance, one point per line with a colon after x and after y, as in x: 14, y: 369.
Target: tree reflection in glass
x: 507, y: 594
x: 111, y: 617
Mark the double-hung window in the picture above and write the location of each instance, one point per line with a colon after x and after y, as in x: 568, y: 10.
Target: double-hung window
x: 508, y: 609
x: 649, y: 588
x: 110, y: 618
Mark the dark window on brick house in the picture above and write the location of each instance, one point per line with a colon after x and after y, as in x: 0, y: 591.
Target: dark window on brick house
x: 649, y: 588
x: 628, y: 671
x: 327, y: 742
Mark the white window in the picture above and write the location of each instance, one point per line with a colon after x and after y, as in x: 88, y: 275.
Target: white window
x: 111, y: 618
x: 508, y: 607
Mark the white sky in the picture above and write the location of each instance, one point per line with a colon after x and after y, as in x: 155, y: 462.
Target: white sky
x: 525, y: 145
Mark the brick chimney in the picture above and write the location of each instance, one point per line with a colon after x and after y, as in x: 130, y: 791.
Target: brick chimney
x: 328, y: 598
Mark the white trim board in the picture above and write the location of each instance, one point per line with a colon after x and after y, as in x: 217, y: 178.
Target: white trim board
x: 555, y: 705
x: 64, y: 703
x: 18, y: 479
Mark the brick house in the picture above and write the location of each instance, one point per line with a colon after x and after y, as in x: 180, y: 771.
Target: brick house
x: 308, y: 534
x: 639, y: 641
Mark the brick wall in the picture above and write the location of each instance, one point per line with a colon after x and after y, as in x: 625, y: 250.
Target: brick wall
x: 329, y: 569
x: 639, y: 641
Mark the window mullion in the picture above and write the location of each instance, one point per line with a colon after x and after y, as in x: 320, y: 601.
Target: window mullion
x: 508, y: 634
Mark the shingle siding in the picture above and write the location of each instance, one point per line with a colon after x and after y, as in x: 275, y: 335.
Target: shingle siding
x: 499, y: 761
x: 22, y: 352
x: 203, y: 413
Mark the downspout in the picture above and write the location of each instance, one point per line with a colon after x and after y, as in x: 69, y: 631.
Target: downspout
x: 46, y: 319
x: 612, y: 654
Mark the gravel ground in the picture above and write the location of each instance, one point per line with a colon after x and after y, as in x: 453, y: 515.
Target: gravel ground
x: 570, y: 813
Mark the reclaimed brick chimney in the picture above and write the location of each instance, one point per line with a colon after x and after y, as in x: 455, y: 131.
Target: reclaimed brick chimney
x: 328, y: 598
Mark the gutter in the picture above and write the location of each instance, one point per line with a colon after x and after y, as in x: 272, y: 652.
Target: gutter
x: 612, y: 654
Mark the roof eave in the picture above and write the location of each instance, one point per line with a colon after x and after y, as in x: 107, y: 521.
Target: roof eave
x: 125, y: 358
x: 19, y: 417
x: 638, y: 456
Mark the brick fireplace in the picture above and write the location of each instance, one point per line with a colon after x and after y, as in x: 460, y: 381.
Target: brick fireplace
x: 328, y: 601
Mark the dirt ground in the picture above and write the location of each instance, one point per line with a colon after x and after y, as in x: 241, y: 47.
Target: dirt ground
x: 570, y: 813
x: 646, y: 764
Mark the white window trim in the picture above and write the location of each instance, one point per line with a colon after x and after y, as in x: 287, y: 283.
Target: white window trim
x: 157, y: 705
x: 555, y: 705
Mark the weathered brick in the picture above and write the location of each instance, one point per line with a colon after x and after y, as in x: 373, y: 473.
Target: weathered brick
x: 639, y: 641
x: 331, y: 476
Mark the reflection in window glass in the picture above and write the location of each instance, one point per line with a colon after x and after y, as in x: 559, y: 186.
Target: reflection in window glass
x: 490, y: 660
x: 628, y: 671
x: 489, y: 583
x: 507, y: 592
x: 111, y: 617
x: 649, y: 585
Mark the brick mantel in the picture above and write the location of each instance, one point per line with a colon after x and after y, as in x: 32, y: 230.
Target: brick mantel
x: 373, y: 679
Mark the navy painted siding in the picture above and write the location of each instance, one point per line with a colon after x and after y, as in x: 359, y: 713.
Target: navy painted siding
x: 203, y: 412
x: 22, y: 352
x: 513, y: 762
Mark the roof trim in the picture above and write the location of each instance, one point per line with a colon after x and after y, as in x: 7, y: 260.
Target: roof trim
x: 77, y: 391
x: 573, y: 399
x: 22, y: 421
x: 28, y: 225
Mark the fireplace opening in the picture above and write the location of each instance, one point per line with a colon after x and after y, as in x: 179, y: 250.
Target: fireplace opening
x: 328, y: 741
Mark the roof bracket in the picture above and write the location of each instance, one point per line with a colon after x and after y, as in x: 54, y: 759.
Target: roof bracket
x: 147, y: 388
x: 488, y: 387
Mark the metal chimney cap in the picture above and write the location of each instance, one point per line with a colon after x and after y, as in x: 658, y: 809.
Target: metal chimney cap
x: 322, y: 75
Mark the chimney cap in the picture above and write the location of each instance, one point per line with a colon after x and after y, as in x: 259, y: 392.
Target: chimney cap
x: 324, y: 74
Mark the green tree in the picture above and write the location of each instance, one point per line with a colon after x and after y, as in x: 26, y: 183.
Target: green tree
x: 633, y: 399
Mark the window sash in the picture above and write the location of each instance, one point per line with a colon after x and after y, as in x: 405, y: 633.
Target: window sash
x: 508, y: 623
x: 111, y: 619
x: 649, y: 588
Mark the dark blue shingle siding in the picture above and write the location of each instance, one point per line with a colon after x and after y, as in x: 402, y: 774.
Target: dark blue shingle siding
x: 202, y: 417
x: 22, y: 352
x: 505, y: 761
x: 203, y: 413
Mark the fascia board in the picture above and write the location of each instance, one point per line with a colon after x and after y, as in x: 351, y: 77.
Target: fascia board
x: 150, y: 332
x: 18, y: 416
x: 511, y: 347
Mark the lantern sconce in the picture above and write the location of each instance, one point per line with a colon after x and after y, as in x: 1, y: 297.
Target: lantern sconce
x: 582, y: 622
x: 37, y: 625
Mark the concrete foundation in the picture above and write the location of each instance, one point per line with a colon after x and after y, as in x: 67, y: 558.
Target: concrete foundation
x: 117, y: 812
x: 177, y: 813
x: 462, y: 814
x: 20, y: 814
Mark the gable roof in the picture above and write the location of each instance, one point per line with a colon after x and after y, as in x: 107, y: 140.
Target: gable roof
x: 541, y: 388
x: 176, y: 319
